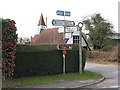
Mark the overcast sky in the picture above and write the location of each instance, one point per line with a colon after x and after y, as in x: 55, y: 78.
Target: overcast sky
x: 26, y: 13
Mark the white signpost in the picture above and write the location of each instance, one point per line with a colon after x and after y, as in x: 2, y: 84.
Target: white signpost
x: 65, y: 23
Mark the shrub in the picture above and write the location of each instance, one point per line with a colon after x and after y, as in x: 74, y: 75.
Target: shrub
x: 72, y: 59
x: 41, y: 60
x: 108, y: 48
x: 9, y: 41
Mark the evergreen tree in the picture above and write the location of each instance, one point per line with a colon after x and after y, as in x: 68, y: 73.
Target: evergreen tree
x: 99, y: 31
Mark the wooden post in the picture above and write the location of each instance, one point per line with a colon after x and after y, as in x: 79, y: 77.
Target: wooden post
x: 80, y: 47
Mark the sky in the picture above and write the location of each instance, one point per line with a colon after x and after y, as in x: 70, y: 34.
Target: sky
x: 26, y: 13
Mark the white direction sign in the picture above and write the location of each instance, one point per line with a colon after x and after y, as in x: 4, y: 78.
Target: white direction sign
x: 59, y: 12
x: 63, y: 13
x: 68, y: 35
x: 64, y: 46
x: 67, y: 13
x: 70, y: 29
x: 66, y: 23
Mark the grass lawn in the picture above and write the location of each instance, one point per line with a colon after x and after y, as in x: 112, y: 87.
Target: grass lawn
x: 11, y: 82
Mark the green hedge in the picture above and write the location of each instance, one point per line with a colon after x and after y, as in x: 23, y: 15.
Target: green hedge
x: 41, y: 60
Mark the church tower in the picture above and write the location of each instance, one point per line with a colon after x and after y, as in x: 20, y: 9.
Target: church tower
x: 41, y: 24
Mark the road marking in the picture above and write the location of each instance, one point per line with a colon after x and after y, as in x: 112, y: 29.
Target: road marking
x: 110, y: 87
x: 114, y: 86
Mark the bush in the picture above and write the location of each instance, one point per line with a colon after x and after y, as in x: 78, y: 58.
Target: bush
x: 108, y: 48
x: 41, y: 60
x: 9, y: 42
x: 72, y: 59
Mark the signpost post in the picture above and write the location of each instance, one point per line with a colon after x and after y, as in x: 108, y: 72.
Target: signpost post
x: 64, y: 53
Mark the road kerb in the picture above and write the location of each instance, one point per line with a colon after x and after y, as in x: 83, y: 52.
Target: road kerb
x: 102, y: 79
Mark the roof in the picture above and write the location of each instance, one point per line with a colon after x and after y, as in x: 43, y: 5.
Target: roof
x: 52, y: 36
x: 41, y: 21
x: 49, y: 36
x: 35, y: 38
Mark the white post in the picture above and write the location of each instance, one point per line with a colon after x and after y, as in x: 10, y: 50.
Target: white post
x: 63, y: 64
x: 63, y: 49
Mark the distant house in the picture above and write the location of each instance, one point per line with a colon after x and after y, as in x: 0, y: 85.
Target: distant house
x: 116, y: 37
x: 27, y: 42
x: 54, y: 36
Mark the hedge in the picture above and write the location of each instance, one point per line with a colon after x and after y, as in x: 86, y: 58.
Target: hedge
x: 9, y: 42
x: 42, y: 60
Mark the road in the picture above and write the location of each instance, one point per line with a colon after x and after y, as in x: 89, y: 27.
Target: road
x: 110, y: 72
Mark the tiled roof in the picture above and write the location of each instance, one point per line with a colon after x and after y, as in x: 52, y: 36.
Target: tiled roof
x: 49, y: 36
x: 41, y: 21
x: 35, y: 37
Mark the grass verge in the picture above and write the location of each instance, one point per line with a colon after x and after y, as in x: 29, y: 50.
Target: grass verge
x: 11, y: 82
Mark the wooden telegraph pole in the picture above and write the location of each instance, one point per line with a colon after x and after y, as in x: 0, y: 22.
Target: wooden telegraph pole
x: 80, y: 25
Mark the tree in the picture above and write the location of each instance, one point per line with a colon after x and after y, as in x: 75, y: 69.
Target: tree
x: 22, y: 40
x: 99, y: 31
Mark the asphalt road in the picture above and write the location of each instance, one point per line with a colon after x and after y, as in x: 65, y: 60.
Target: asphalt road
x: 110, y: 72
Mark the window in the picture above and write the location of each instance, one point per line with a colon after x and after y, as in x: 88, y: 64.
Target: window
x: 75, y: 39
